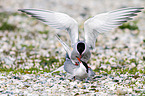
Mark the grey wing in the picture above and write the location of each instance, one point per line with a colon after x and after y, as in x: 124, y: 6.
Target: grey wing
x: 60, y: 69
x: 56, y: 20
x: 107, y: 21
x: 69, y: 66
x: 91, y: 73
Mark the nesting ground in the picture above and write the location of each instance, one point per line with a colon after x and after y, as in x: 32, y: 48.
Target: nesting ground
x: 29, y: 51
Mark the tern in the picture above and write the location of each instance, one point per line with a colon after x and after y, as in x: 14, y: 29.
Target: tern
x: 101, y: 23
x: 79, y: 70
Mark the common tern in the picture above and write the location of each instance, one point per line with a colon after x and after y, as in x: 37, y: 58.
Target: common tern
x: 101, y: 23
x: 78, y: 69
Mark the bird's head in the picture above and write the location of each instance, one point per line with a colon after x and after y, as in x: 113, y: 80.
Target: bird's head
x: 81, y: 48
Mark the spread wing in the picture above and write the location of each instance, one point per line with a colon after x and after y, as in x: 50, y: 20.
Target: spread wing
x: 106, y: 22
x: 56, y: 20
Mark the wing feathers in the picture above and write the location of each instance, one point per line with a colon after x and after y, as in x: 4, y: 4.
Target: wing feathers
x: 107, y: 21
x: 56, y: 20
x: 98, y: 24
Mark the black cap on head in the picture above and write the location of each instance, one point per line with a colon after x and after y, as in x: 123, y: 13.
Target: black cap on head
x: 80, y: 47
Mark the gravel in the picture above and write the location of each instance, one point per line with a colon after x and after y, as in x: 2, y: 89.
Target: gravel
x: 29, y: 52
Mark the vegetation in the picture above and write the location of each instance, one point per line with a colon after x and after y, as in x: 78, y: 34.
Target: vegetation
x: 129, y: 25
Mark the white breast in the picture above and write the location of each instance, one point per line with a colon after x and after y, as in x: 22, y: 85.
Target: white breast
x: 81, y: 72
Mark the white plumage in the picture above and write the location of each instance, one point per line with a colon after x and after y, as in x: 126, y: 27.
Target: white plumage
x: 105, y: 22
x: 101, y: 23
x: 56, y: 20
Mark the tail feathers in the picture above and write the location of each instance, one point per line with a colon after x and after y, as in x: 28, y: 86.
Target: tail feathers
x: 67, y: 56
x: 65, y: 46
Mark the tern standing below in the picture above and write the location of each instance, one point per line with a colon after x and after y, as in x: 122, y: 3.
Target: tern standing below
x: 100, y: 23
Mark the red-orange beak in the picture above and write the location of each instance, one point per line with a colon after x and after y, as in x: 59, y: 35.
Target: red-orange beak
x: 78, y: 59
